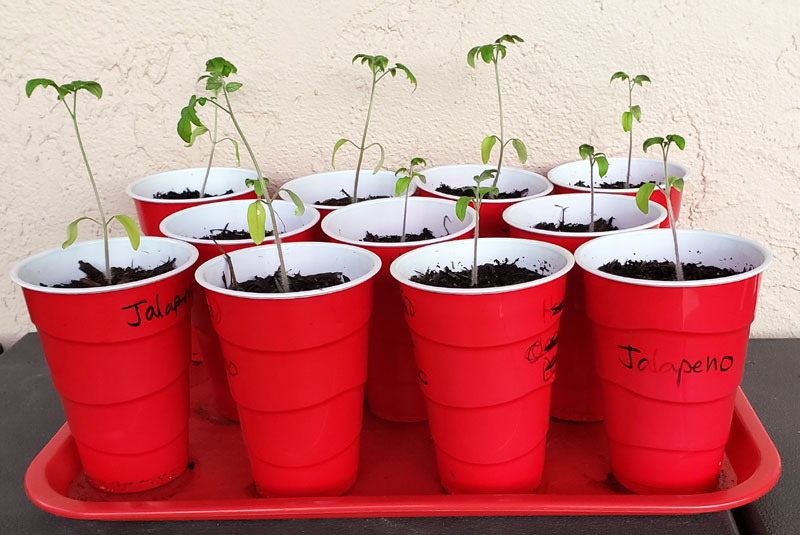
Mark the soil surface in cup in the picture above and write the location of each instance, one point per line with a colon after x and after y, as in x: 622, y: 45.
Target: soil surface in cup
x: 348, y: 199
x: 664, y: 270
x: 186, y: 194
x: 297, y: 282
x: 600, y: 225
x: 467, y: 191
x: 426, y: 234
x: 490, y: 275
x: 608, y: 185
x: 95, y: 277
x: 225, y: 233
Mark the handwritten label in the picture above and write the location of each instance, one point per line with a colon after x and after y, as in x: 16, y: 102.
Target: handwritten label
x: 232, y: 369
x: 540, y: 350
x: 551, y: 309
x: 154, y: 311
x: 634, y: 360
x: 408, y: 306
x: 423, y: 378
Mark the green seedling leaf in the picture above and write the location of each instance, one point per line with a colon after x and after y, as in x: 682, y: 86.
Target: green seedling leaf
x: 461, y: 207
x: 401, y: 185
x: 675, y: 182
x: 487, y: 174
x: 618, y: 75
x: 637, y: 112
x: 418, y: 161
x: 256, y: 221
x: 585, y: 151
x: 336, y: 147
x: 256, y: 186
x: 486, y: 147
x: 72, y: 229
x: 627, y: 121
x: 220, y: 67
x: 487, y: 190
x: 652, y: 141
x: 487, y: 53
x: 409, y: 75
x: 300, y: 208
x: 214, y: 83
x: 602, y: 165
x: 509, y: 38
x: 470, y: 56
x: 188, y: 118
x: 678, y: 140
x: 199, y: 131
x: 90, y: 86
x: 643, y: 196
x: 641, y: 78
x: 230, y: 87
x: 39, y: 82
x: 522, y: 150
x: 131, y: 229
x: 235, y: 148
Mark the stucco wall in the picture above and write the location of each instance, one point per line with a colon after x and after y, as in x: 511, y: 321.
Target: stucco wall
x: 726, y: 75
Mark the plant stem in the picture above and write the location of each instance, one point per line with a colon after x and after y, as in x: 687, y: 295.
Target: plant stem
x: 630, y: 137
x: 362, y: 148
x: 210, y: 156
x: 103, y: 221
x: 477, y: 203
x: 284, y: 278
x: 591, y: 194
x: 667, y: 191
x: 502, y: 137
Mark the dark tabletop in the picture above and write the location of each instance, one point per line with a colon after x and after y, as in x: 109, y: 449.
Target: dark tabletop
x: 30, y: 414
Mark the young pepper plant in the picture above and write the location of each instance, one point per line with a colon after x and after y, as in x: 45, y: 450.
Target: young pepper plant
x: 404, y: 177
x: 127, y: 222
x: 189, y: 134
x: 493, y: 53
x: 379, y: 67
x: 634, y: 112
x: 599, y: 158
x: 217, y: 72
x: 646, y: 190
x: 478, y: 193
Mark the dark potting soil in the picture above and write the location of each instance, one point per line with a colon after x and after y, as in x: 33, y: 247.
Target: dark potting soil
x: 226, y: 234
x: 490, y: 275
x: 95, y: 277
x: 608, y: 185
x: 664, y: 270
x: 348, y: 199
x: 297, y: 282
x: 426, y: 234
x: 467, y: 191
x: 600, y: 225
x: 186, y: 194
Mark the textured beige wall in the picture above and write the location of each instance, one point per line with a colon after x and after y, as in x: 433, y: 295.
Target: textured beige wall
x: 726, y: 75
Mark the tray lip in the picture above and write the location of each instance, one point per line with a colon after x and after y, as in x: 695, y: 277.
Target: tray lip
x: 765, y: 476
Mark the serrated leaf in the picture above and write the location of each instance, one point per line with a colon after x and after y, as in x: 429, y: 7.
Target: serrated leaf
x: 486, y: 147
x: 651, y: 141
x: 220, y: 67
x: 401, y: 185
x: 461, y: 207
x: 678, y: 140
x: 199, y: 131
x: 131, y: 229
x: 676, y: 182
x: 299, y: 206
x: 627, y: 121
x: 602, y: 165
x: 522, y: 150
x: 380, y: 162
x: 256, y: 221
x: 637, y: 112
x: 72, y: 229
x: 230, y: 87
x: 214, y: 83
x: 643, y: 196
x: 336, y: 147
x: 487, y: 53
x: 585, y: 151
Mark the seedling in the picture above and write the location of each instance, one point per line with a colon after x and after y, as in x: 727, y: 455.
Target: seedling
x: 189, y: 134
x: 403, y: 184
x: 478, y: 193
x: 217, y: 72
x: 379, y: 66
x: 493, y: 53
x: 634, y: 112
x: 587, y: 151
x: 646, y: 190
x: 72, y: 229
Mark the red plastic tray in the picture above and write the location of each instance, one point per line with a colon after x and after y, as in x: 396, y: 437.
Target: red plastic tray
x: 397, y: 477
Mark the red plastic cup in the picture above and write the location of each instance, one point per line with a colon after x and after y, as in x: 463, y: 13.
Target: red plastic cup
x: 566, y: 175
x: 324, y: 186
x: 221, y: 179
x: 189, y: 223
x: 577, y: 395
x: 297, y: 363
x: 670, y: 354
x: 486, y: 359
x: 492, y: 224
x: 118, y: 357
x: 392, y: 387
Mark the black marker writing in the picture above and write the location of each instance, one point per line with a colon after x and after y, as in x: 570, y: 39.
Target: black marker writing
x: 155, y: 311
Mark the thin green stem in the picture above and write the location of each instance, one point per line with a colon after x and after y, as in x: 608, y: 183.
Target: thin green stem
x: 405, y: 204
x: 362, y: 148
x: 630, y: 135
x: 210, y: 156
x: 667, y: 192
x: 500, y: 106
x: 103, y: 221
x: 591, y: 194
x: 477, y: 203
x: 284, y: 278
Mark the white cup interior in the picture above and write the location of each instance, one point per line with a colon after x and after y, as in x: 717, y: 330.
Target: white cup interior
x: 642, y: 170
x: 322, y: 186
x: 220, y: 180
x: 463, y: 175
